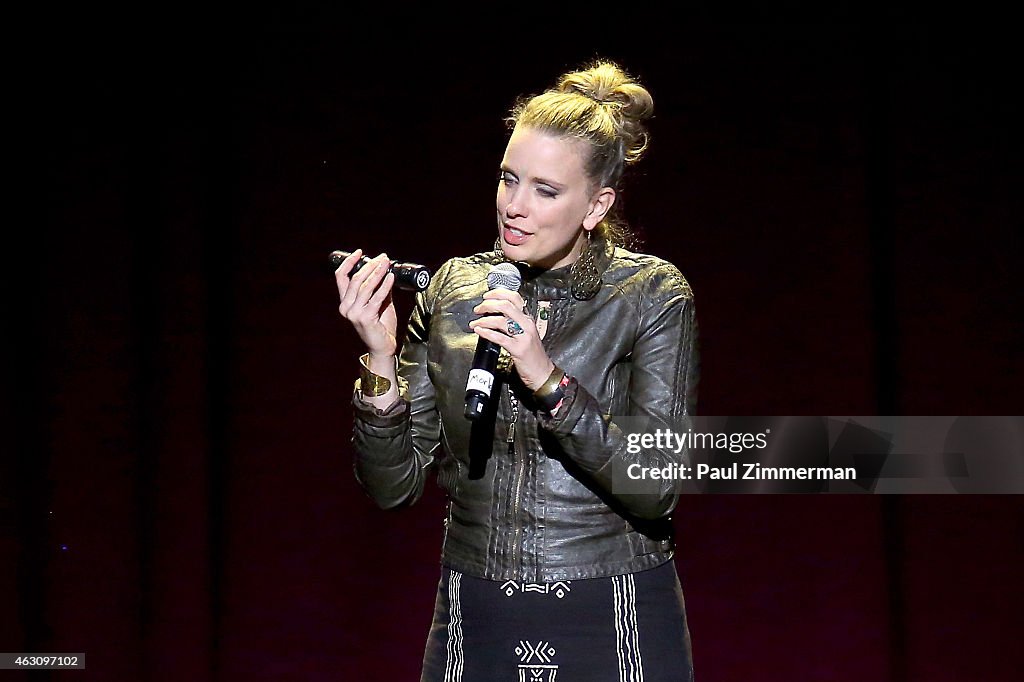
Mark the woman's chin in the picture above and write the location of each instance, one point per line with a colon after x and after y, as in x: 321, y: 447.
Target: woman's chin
x: 513, y: 253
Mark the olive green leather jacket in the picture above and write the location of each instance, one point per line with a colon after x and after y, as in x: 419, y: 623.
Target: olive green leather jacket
x: 541, y: 508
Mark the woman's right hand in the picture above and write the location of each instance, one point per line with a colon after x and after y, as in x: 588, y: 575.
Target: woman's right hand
x: 366, y: 302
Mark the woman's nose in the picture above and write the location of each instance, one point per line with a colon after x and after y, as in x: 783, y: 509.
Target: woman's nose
x: 513, y: 208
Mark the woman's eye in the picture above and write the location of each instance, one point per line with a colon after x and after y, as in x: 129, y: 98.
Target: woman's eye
x: 506, y: 178
x: 545, y: 192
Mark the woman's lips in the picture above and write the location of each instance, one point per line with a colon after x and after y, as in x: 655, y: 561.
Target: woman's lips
x: 514, y: 236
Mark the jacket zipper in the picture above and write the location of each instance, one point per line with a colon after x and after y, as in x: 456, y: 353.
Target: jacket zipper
x: 518, y: 467
x: 519, y: 464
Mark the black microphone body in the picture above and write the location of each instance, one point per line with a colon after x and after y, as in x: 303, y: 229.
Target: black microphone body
x: 485, y: 360
x: 481, y: 378
x: 408, y: 276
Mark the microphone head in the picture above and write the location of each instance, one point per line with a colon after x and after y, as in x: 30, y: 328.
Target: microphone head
x: 504, y: 276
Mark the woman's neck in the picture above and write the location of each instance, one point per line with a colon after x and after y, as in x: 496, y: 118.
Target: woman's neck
x: 575, y: 251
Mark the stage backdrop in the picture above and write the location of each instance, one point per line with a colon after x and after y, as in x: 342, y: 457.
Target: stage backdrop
x: 180, y: 502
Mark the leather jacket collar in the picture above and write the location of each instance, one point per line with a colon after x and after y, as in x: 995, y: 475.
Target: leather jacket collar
x: 558, y: 283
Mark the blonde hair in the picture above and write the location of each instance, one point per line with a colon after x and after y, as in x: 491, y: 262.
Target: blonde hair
x: 604, y: 106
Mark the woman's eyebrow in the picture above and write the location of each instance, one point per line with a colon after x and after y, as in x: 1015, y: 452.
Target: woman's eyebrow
x: 551, y: 183
x: 540, y: 181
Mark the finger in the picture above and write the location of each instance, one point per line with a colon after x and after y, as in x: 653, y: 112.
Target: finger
x: 342, y: 271
x: 505, y: 308
x: 367, y: 288
x: 377, y: 301
x: 381, y: 264
x: 370, y: 274
x: 507, y: 294
x: 488, y: 308
x: 499, y: 338
x: 496, y: 323
x: 357, y: 277
x: 348, y: 262
x: 501, y: 306
x: 513, y: 297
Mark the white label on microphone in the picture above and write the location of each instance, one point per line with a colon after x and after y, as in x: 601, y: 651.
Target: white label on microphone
x: 480, y: 380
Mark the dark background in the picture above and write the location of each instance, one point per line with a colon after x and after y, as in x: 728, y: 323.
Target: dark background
x: 843, y: 198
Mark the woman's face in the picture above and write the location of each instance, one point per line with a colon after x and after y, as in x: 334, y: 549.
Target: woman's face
x: 544, y: 201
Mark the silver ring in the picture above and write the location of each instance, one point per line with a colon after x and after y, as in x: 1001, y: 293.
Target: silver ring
x: 513, y: 328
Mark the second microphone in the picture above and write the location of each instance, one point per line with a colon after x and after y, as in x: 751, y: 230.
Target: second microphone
x: 408, y: 276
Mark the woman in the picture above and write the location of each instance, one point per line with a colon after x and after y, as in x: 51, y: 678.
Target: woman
x: 549, y: 570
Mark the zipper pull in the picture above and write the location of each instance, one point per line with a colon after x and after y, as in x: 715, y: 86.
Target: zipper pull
x: 514, y: 405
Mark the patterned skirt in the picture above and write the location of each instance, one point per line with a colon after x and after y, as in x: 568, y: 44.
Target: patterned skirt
x: 625, y: 628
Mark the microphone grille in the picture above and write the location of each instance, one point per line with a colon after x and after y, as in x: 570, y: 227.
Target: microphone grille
x: 504, y: 276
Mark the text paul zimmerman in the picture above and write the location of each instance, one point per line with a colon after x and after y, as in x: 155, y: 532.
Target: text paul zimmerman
x: 677, y: 441
x: 737, y: 471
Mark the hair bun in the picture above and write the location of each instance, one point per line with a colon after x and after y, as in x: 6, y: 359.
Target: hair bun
x: 625, y: 100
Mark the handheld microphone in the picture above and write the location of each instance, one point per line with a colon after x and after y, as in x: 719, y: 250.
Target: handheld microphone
x: 408, y: 276
x: 481, y: 376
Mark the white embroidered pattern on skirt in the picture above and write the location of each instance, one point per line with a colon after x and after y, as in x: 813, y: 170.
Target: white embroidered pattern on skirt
x: 454, y: 664
x: 539, y: 670
x: 627, y: 646
x: 559, y: 588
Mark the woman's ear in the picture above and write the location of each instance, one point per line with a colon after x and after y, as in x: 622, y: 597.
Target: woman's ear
x: 600, y: 204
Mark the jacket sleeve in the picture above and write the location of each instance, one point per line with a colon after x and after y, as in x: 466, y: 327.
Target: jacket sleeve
x: 394, y: 448
x: 662, y: 387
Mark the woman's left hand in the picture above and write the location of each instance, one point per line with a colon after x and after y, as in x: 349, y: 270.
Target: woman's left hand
x: 531, y: 360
